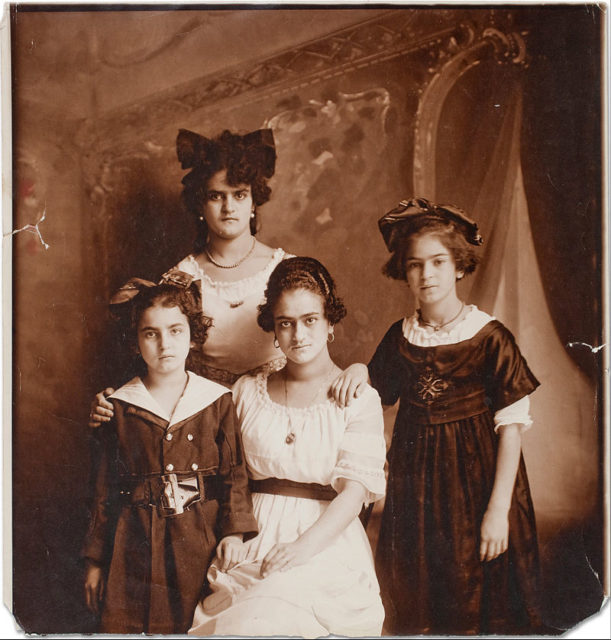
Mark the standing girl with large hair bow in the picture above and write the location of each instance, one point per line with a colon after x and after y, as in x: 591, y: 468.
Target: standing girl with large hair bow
x: 226, y: 182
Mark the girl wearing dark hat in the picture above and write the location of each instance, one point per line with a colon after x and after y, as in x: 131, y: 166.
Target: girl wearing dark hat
x: 226, y: 182
x: 457, y: 552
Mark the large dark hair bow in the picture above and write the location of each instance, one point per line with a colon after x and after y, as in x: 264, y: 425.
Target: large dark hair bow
x: 257, y: 148
x: 134, y: 286
x: 394, y: 223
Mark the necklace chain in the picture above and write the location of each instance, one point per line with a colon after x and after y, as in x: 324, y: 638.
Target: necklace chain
x: 235, y: 264
x: 436, y: 327
x: 291, y: 436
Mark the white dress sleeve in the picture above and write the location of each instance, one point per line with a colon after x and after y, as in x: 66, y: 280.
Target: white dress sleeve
x: 362, y: 452
x: 516, y: 413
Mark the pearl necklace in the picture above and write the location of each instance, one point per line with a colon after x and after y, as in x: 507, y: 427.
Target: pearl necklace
x: 291, y: 436
x: 235, y: 264
x: 436, y: 327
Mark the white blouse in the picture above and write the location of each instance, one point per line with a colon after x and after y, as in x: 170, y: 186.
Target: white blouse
x: 330, y: 442
x: 235, y: 342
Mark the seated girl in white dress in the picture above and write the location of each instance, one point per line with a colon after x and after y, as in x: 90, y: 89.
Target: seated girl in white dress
x: 312, y: 466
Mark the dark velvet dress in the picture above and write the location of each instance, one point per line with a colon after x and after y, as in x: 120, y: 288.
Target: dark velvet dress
x: 442, y: 464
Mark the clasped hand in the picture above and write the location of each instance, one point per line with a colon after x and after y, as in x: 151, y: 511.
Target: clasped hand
x: 494, y: 534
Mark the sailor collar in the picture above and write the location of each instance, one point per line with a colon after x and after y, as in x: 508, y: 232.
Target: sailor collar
x: 198, y: 394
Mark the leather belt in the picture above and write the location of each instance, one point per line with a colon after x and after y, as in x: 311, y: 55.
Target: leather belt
x: 283, y: 487
x: 170, y: 493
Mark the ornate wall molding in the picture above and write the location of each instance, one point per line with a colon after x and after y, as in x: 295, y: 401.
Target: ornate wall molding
x: 506, y: 48
x: 399, y: 32
x: 440, y: 45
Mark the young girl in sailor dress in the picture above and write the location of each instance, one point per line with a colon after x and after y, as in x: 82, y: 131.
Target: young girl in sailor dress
x: 170, y: 481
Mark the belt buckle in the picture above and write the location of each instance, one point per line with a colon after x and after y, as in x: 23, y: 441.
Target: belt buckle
x: 176, y: 495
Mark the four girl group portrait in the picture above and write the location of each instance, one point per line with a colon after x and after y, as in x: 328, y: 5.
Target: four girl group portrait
x: 233, y: 475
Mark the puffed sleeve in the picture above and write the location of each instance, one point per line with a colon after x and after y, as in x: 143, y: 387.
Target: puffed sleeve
x: 188, y: 265
x: 236, y: 514
x: 385, y: 370
x: 516, y: 413
x: 103, y: 512
x: 362, y: 451
x: 507, y: 376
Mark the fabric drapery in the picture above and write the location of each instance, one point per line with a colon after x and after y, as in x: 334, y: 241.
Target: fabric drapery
x: 508, y: 285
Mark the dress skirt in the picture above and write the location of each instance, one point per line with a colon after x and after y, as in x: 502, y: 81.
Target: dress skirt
x: 335, y: 591
x: 442, y: 465
x: 445, y: 588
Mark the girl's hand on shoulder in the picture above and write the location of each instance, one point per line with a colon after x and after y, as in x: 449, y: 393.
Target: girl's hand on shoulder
x: 230, y: 551
x: 101, y: 409
x: 349, y: 384
x: 494, y: 533
x: 284, y: 556
x: 94, y: 586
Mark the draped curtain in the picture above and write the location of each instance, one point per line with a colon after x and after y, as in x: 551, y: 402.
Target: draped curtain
x: 561, y: 449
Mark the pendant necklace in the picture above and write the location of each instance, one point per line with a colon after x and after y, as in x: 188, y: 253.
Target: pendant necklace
x: 436, y: 327
x: 291, y: 436
x: 235, y: 264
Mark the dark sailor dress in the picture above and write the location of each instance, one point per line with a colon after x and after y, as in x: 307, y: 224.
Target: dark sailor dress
x: 166, y: 492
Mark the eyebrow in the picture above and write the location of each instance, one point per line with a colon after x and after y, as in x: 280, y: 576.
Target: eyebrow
x: 234, y: 189
x: 436, y: 255
x: 305, y: 315
x: 172, y: 326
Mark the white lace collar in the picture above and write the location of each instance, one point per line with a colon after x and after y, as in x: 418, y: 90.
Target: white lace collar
x: 422, y: 336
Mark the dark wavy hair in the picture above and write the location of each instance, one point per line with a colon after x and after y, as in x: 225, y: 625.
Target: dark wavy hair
x: 448, y: 233
x: 168, y: 295
x: 244, y: 165
x: 300, y: 273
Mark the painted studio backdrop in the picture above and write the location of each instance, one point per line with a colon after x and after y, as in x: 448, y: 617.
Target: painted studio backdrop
x: 494, y: 110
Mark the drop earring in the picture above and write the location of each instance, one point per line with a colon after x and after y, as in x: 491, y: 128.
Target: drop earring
x: 276, y: 343
x: 331, y: 336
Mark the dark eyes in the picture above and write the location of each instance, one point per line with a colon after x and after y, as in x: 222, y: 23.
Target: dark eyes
x: 415, y: 265
x: 285, y: 324
x: 216, y: 196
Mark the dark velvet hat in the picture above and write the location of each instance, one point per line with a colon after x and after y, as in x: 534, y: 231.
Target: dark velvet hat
x: 400, y: 221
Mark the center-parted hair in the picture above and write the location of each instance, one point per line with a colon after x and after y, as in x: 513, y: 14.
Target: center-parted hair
x: 300, y: 273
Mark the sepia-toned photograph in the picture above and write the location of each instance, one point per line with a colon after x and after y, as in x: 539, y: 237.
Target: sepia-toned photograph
x: 305, y: 319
